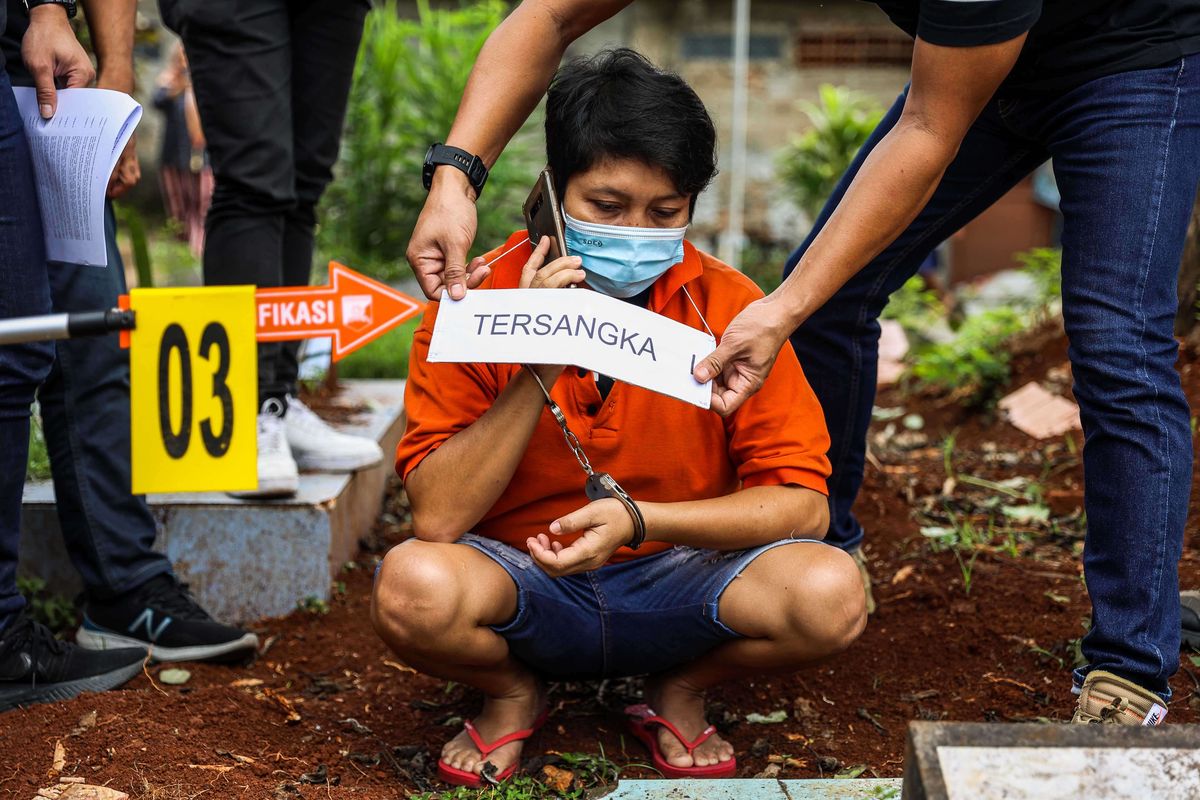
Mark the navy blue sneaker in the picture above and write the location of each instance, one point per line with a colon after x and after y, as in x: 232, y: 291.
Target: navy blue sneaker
x: 35, y: 667
x: 162, y: 616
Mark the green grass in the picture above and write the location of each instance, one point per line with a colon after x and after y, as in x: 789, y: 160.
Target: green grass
x: 588, y: 772
x: 38, y: 466
x: 386, y: 357
x: 54, y: 611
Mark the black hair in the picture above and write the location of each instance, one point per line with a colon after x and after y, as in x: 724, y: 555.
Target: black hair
x: 616, y: 104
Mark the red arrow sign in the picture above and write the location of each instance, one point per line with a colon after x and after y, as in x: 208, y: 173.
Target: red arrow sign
x: 353, y: 309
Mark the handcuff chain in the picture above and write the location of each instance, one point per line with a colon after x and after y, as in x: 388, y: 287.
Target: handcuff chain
x: 561, y: 419
x: 597, y: 485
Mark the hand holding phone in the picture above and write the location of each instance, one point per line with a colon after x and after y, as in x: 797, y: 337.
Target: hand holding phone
x: 543, y: 217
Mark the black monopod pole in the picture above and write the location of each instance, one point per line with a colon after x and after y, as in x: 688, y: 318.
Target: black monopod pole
x: 18, y: 330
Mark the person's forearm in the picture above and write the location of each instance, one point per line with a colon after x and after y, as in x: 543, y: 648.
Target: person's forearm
x: 112, y: 24
x: 891, y: 188
x: 512, y: 73
x: 459, y: 482
x: 748, y: 518
x: 950, y: 87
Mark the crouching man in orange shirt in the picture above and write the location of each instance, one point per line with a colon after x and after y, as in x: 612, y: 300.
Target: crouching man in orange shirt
x: 514, y: 577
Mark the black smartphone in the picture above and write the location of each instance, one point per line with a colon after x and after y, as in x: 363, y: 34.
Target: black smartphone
x: 543, y: 217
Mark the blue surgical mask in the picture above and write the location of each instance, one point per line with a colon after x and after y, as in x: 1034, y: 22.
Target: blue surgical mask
x: 622, y: 261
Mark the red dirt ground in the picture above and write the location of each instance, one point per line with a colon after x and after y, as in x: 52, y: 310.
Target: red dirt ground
x: 932, y: 651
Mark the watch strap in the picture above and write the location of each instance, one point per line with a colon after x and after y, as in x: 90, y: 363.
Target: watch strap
x: 67, y: 5
x: 444, y: 155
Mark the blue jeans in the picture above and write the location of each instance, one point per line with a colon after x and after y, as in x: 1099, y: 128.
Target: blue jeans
x: 24, y: 291
x: 641, y: 616
x: 1126, y: 153
x: 109, y: 531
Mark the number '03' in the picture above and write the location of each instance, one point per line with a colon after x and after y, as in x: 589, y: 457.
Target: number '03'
x: 177, y: 440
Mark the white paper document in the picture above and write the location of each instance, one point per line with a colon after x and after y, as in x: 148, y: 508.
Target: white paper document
x: 73, y: 156
x: 576, y: 327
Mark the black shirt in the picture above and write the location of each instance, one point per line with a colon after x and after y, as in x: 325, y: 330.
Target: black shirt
x: 1070, y: 41
x: 3, y: 26
x: 10, y: 42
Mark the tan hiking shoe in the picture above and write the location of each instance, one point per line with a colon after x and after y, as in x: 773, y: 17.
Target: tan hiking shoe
x: 861, y: 561
x: 1112, y: 700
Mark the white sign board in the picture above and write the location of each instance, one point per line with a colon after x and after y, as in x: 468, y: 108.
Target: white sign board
x: 576, y: 327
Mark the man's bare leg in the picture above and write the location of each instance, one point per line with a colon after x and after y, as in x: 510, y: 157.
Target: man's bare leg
x: 796, y: 605
x: 432, y: 605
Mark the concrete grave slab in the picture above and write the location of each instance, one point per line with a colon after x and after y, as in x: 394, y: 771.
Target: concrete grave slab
x: 247, y: 559
x: 957, y: 761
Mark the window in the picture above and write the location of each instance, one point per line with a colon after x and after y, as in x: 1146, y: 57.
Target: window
x: 761, y: 47
x: 850, y: 46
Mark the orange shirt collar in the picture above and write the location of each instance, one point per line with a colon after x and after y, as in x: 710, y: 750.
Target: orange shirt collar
x: 661, y: 292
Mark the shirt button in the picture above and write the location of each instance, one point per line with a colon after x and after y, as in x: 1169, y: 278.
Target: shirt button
x: 593, y: 409
x: 583, y: 373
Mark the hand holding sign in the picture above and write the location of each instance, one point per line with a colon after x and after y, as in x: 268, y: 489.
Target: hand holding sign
x: 567, y: 326
x: 742, y: 362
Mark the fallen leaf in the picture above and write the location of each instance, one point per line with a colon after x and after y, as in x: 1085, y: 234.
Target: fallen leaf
x: 803, y: 708
x: 88, y: 720
x: 222, y: 768
x: 399, y: 666
x: 767, y: 719
x: 771, y: 771
x: 292, y: 714
x: 1030, y: 513
x: 851, y: 772
x: 903, y: 574
x: 60, y: 757
x: 795, y: 763
x: 174, y: 677
x: 81, y: 791
x: 915, y: 697
x: 356, y: 726
x: 243, y: 683
x: 558, y: 779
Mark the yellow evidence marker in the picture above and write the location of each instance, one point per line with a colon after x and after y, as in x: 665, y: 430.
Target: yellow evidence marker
x: 193, y: 365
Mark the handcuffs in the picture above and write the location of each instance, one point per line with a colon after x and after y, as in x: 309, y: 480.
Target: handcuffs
x: 599, y: 485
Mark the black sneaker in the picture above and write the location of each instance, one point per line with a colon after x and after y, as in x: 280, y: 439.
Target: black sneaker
x: 161, y: 615
x: 35, y: 667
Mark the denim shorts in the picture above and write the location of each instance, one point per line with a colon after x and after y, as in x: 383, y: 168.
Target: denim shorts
x: 637, y: 617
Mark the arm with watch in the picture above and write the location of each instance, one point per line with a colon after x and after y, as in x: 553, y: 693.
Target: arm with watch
x: 51, y: 52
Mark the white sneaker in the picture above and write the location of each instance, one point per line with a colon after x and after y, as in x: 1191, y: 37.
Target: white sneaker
x: 319, y: 447
x: 277, y: 472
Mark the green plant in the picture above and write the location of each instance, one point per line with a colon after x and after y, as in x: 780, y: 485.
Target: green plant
x: 132, y: 221
x: 54, y: 611
x: 588, y: 772
x: 386, y: 357
x: 973, y: 365
x: 37, y: 467
x: 813, y: 162
x: 313, y: 605
x: 408, y: 80
x: 1044, y: 265
x: 916, y: 307
x: 762, y: 262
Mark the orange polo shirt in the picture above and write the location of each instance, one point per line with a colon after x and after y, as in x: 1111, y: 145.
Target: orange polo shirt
x: 658, y: 448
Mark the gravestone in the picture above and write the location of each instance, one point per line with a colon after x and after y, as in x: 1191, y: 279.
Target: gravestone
x: 1032, y: 761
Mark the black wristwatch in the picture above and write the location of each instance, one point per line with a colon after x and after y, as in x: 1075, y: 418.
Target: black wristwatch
x: 68, y: 5
x: 444, y: 155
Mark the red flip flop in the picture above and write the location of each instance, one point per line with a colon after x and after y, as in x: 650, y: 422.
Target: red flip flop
x: 472, y: 780
x: 642, y: 717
